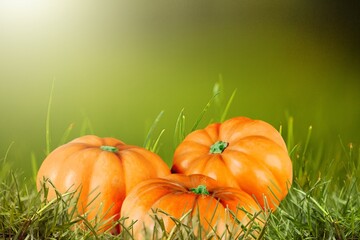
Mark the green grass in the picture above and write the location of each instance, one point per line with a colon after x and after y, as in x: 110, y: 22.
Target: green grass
x: 323, y: 202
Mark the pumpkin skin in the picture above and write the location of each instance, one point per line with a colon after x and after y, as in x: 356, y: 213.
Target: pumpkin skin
x: 104, y: 166
x: 240, y: 152
x: 175, y: 195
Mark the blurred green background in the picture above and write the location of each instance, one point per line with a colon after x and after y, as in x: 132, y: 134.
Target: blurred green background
x: 116, y: 64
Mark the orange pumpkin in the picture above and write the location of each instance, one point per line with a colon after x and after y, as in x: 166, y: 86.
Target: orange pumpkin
x: 99, y: 166
x: 196, y: 200
x: 240, y: 152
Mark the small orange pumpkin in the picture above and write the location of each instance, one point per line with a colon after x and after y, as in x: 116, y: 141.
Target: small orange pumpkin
x: 196, y: 200
x: 240, y: 152
x: 104, y: 166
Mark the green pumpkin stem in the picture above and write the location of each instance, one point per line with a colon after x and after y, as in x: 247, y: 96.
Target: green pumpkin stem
x: 218, y: 147
x: 201, y: 189
x: 109, y: 148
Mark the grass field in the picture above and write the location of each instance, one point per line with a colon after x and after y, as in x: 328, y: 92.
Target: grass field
x: 323, y: 202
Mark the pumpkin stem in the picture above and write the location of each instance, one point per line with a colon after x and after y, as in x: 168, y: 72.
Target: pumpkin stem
x: 201, y: 189
x: 109, y: 148
x: 218, y: 147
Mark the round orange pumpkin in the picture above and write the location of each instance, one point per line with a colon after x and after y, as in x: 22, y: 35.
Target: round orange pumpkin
x: 195, y: 200
x: 99, y: 166
x: 240, y: 152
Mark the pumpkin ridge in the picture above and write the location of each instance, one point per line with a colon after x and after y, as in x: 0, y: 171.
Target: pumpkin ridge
x: 220, y: 158
x: 227, y: 132
x: 210, y: 201
x: 198, y: 143
x: 183, y: 153
x: 95, y: 140
x: 56, y: 152
x: 153, y: 184
x: 226, y: 162
x: 277, y: 136
x: 84, y: 190
x: 204, y: 160
x: 195, y: 198
x: 264, y: 137
x: 138, y: 152
x: 194, y: 206
x: 216, y: 137
x: 120, y: 155
x: 274, y: 135
x: 165, y: 185
x: 122, y: 169
x: 146, y: 156
x: 262, y: 163
x: 267, y: 170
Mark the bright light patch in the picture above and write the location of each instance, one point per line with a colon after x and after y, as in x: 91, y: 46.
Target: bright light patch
x: 21, y: 11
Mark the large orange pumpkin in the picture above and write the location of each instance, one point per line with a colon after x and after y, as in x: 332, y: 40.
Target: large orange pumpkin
x: 240, y: 152
x: 99, y: 166
x: 196, y: 201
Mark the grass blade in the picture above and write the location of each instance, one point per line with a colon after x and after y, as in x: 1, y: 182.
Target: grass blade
x: 205, y: 109
x: 147, y: 142
x: 66, y: 134
x: 7, y: 152
x: 155, y: 146
x: 228, y: 104
x: 179, y: 132
x: 47, y: 128
x: 307, y: 141
x: 34, y: 165
x: 290, y: 133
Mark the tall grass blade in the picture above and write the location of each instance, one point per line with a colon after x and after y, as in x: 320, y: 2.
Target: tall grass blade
x: 290, y: 133
x: 147, y: 142
x: 89, y: 226
x: 34, y: 166
x: 205, y: 109
x: 228, y: 104
x: 65, y: 136
x: 308, y: 137
x: 7, y: 152
x: 156, y: 145
x: 47, y: 128
x: 179, y: 132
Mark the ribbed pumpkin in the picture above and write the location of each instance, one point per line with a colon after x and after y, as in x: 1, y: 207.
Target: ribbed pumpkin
x: 240, y: 152
x: 196, y: 200
x: 104, y: 166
